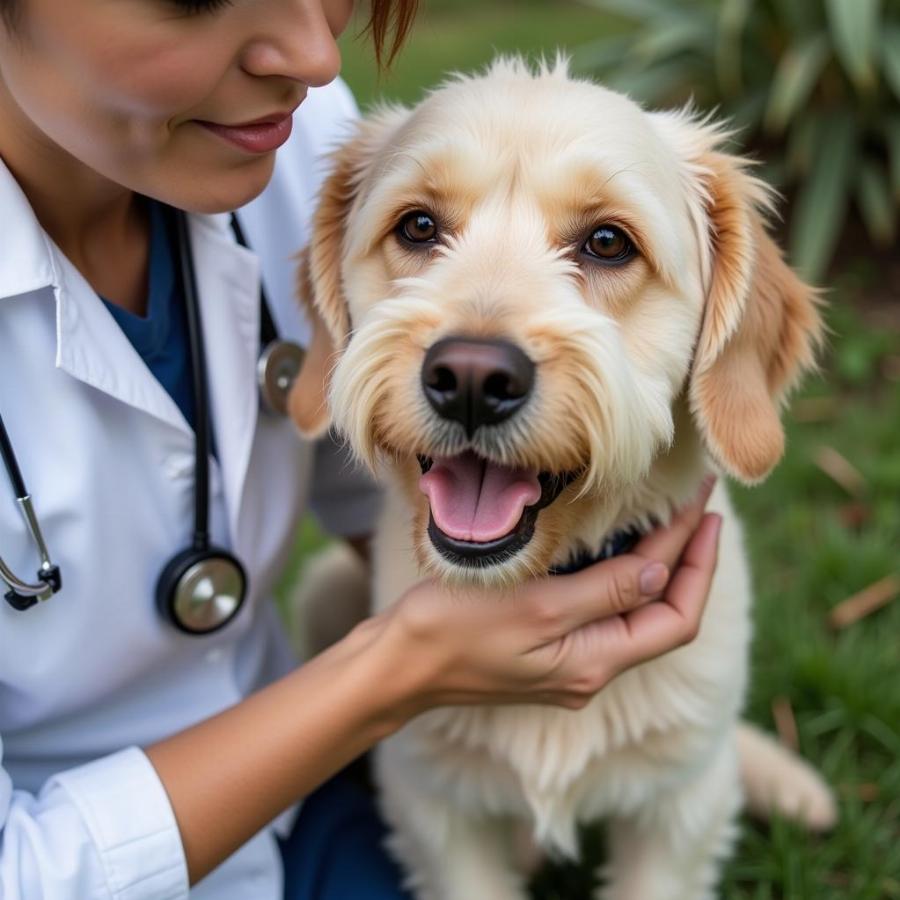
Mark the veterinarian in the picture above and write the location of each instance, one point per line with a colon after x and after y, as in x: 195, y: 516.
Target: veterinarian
x: 152, y: 747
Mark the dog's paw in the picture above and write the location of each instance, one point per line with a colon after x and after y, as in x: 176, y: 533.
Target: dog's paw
x: 803, y: 797
x: 777, y: 782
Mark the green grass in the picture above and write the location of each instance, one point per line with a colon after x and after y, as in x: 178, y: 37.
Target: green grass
x: 811, y: 544
x: 810, y: 551
x: 843, y: 686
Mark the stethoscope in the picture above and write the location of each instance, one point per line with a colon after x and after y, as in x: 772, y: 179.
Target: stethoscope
x: 202, y: 588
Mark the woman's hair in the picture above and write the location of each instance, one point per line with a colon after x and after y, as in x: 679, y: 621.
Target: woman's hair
x: 387, y: 16
x: 389, y: 19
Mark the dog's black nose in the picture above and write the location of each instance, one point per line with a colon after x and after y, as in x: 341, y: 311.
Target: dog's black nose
x: 476, y: 382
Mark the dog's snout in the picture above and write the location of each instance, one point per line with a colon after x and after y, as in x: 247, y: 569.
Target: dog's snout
x: 475, y: 381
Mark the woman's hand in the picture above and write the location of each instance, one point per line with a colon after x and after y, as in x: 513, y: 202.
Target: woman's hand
x: 557, y: 639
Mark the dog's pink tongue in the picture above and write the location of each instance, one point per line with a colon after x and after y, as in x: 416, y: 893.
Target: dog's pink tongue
x: 476, y: 500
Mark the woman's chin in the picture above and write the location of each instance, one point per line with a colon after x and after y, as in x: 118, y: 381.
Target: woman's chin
x: 218, y: 192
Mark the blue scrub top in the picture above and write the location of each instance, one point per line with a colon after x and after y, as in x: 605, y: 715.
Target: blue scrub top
x: 161, y: 338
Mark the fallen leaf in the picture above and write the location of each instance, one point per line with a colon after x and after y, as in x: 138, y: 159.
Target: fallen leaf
x: 840, y: 470
x: 785, y: 722
x: 864, y: 603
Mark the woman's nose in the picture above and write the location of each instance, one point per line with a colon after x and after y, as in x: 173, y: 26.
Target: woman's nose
x: 297, y: 42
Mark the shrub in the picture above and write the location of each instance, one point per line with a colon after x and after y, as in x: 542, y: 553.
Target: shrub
x: 814, y: 84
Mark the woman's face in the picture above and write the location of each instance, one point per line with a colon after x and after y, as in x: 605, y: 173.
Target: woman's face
x: 138, y: 91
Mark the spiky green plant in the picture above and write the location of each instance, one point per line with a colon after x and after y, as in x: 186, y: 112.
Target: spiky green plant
x: 813, y: 84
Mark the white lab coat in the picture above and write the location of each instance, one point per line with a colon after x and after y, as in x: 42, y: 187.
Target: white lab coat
x: 93, y: 674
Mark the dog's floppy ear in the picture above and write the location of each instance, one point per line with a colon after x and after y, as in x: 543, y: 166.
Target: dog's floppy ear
x: 760, y: 328
x: 308, y: 401
x: 320, y: 277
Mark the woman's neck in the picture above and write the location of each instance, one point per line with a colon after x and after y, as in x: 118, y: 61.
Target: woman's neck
x: 100, y: 226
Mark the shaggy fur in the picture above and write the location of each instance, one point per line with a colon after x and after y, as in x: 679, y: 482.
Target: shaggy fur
x: 648, y: 374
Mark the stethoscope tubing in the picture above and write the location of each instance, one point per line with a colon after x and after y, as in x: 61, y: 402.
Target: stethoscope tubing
x: 11, y: 463
x: 201, y: 394
x: 24, y: 589
x: 175, y: 585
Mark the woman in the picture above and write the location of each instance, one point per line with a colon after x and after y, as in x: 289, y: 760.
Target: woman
x: 139, y: 760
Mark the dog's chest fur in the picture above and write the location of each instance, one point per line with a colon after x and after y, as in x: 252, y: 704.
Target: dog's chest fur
x: 648, y: 729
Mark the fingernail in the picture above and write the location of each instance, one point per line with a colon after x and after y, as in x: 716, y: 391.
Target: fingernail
x: 653, y: 578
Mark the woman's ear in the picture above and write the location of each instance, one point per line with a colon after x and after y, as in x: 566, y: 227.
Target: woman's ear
x: 320, y: 275
x: 761, y: 326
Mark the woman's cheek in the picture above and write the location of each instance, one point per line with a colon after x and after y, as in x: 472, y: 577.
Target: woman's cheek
x: 158, y: 81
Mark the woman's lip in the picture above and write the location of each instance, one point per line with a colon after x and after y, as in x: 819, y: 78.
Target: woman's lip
x: 254, y: 137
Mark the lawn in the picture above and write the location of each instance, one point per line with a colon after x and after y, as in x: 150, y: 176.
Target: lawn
x: 814, y: 543
x: 823, y: 527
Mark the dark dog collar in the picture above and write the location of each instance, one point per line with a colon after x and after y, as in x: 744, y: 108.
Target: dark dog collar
x: 616, y: 544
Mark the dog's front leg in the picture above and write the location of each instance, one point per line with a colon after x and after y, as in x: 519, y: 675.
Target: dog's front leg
x: 447, y: 854
x: 672, y: 849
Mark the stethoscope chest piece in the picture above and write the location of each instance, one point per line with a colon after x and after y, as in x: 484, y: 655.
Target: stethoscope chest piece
x: 201, y: 591
x: 276, y: 369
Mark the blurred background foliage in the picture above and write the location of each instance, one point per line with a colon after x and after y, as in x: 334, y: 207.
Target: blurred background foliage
x: 813, y: 86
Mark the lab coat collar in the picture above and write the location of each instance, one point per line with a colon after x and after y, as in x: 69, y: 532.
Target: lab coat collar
x: 90, y: 346
x: 26, y: 263
x: 93, y: 349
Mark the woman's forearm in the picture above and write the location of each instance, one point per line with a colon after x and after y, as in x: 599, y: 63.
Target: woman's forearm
x: 230, y: 775
x: 551, y: 640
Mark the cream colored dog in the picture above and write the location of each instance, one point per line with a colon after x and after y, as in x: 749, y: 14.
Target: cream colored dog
x: 547, y: 313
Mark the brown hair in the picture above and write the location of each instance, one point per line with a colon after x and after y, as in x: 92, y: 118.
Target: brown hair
x: 387, y: 16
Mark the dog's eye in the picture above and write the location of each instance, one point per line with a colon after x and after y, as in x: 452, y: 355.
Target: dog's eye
x: 609, y: 244
x: 418, y: 228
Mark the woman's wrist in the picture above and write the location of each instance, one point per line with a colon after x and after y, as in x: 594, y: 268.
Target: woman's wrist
x: 399, y: 669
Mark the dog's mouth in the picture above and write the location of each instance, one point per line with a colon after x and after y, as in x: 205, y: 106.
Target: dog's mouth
x: 482, y: 512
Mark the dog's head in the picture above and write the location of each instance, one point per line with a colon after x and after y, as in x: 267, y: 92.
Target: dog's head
x: 528, y: 293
